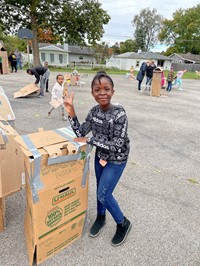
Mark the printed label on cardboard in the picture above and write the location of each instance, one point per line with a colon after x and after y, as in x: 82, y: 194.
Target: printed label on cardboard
x: 54, y: 216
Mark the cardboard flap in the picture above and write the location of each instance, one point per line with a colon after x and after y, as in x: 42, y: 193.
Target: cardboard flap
x: 42, y: 139
x: 65, y: 148
x: 6, y: 110
x: 6, y: 127
x: 27, y: 90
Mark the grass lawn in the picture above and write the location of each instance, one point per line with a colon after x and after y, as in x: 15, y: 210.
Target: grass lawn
x: 187, y: 75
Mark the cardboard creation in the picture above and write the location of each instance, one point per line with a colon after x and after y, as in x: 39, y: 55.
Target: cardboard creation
x: 12, y: 175
x: 56, y: 102
x: 5, y: 64
x: 56, y: 190
x: 6, y: 111
x: 73, y: 81
x: 27, y: 90
x: 2, y: 213
x: 156, y: 83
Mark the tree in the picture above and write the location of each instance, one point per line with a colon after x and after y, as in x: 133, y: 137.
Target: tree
x: 73, y: 21
x: 46, y: 36
x: 128, y: 46
x: 147, y: 25
x: 183, y: 31
x: 101, y: 52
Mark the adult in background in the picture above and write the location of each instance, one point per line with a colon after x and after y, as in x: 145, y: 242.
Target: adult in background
x: 39, y: 73
x: 141, y: 73
x: 19, y: 59
x: 149, y: 72
x: 46, y: 64
x: 13, y: 61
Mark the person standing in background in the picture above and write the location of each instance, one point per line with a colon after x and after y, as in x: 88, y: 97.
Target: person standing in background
x: 19, y: 59
x: 141, y: 73
x: 170, y: 78
x: 13, y: 61
x: 149, y: 72
x: 46, y: 64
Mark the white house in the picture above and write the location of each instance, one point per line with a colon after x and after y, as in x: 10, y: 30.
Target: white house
x: 63, y: 55
x: 185, y: 58
x: 126, y: 60
x: 55, y: 55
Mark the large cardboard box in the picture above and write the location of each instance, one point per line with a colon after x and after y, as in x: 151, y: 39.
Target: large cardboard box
x: 56, y: 189
x: 6, y: 111
x: 2, y: 213
x: 156, y: 83
x: 11, y: 161
x: 27, y: 90
x: 5, y: 64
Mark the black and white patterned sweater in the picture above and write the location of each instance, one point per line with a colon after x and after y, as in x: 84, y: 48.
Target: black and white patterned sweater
x: 109, y: 132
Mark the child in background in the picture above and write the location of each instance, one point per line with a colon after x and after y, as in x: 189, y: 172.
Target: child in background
x: 108, y: 124
x: 57, y: 94
x: 170, y: 78
x: 178, y: 80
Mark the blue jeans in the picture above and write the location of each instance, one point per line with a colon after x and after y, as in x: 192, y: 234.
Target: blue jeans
x: 148, y: 81
x: 19, y: 63
x: 169, y: 87
x: 107, y: 178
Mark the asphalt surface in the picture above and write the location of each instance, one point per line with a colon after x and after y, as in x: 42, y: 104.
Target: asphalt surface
x: 159, y: 190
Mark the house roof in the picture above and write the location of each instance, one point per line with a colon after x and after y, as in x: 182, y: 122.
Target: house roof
x: 51, y: 47
x: 130, y: 55
x: 143, y: 55
x: 73, y: 49
x: 151, y: 55
x: 190, y: 57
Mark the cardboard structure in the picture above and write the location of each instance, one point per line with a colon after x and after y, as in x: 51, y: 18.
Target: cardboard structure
x: 2, y: 213
x: 156, y: 83
x: 27, y: 90
x: 5, y: 64
x: 12, y: 175
x: 6, y: 111
x: 56, y: 189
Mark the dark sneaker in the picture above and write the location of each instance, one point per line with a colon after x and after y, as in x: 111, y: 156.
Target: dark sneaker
x: 121, y: 232
x: 98, y: 225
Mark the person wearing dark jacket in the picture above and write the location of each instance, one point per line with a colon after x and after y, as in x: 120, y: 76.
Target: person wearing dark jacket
x: 13, y: 61
x: 149, y: 72
x: 141, y: 74
x: 40, y: 74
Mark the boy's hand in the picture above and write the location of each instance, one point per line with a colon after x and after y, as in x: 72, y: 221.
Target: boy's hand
x: 68, y: 102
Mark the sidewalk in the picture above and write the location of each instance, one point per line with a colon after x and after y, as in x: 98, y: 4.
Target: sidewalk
x: 159, y: 190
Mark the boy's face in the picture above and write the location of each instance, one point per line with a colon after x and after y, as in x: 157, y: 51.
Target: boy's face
x: 60, y: 80
x: 103, y: 92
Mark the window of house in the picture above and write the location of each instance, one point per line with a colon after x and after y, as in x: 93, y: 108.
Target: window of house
x: 43, y: 56
x: 81, y: 57
x: 51, y: 58
x: 61, y: 58
x: 137, y: 63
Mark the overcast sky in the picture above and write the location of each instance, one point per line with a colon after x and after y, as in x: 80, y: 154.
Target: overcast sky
x: 122, y: 12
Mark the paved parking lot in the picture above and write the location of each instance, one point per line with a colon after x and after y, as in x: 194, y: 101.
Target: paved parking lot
x: 159, y: 191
